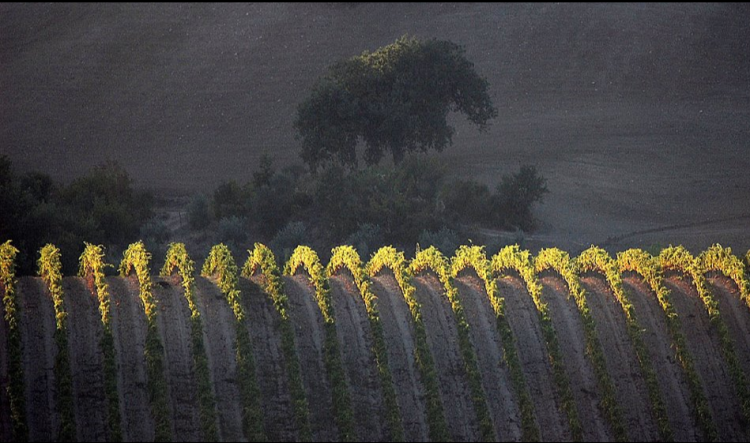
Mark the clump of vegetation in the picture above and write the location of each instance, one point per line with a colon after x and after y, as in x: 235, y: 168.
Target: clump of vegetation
x: 475, y: 257
x: 50, y: 269
x: 136, y: 258
x: 100, y: 207
x: 305, y: 257
x: 20, y: 429
x: 395, y: 99
x: 413, y: 202
x: 92, y: 268
x: 388, y: 257
x: 262, y: 259
x: 221, y: 264
x: 177, y: 257
x: 198, y: 212
x: 432, y: 259
x: 347, y: 257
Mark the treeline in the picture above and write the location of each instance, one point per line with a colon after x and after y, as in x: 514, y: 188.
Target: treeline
x: 99, y: 207
x: 416, y: 201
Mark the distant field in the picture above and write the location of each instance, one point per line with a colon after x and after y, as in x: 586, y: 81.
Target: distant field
x: 636, y: 113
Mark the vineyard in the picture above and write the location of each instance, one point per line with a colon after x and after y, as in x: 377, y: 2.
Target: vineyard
x: 510, y: 347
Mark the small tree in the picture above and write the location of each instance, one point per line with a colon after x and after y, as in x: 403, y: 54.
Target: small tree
x: 516, y: 194
x: 395, y: 99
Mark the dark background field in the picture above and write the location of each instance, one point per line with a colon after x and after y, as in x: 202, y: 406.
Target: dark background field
x: 636, y: 113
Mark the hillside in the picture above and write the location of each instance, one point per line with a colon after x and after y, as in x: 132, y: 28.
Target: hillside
x: 636, y: 113
x: 504, y: 348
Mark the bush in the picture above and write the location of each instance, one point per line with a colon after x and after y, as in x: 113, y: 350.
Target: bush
x: 232, y: 230
x: 287, y: 240
x: 199, y: 216
x: 466, y: 201
x: 100, y: 207
x: 445, y: 240
x: 367, y: 239
x: 231, y: 199
x: 516, y: 194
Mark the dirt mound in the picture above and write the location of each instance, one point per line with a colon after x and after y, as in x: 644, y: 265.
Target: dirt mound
x: 6, y: 431
x: 310, y: 335
x: 488, y: 345
x: 670, y: 375
x: 580, y: 371
x: 736, y: 315
x: 263, y: 324
x: 39, y: 350
x: 622, y: 360
x: 704, y: 345
x: 524, y: 322
x: 442, y: 337
x: 86, y: 360
x: 129, y: 330
x: 174, y: 328
x: 358, y: 358
x: 220, y: 334
x: 398, y: 331
x: 37, y: 324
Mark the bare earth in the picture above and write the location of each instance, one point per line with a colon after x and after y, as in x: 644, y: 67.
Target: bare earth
x: 129, y: 330
x: 501, y: 401
x: 37, y: 334
x: 270, y: 366
x: 532, y: 350
x: 736, y: 315
x: 442, y: 338
x: 5, y: 424
x: 308, y: 325
x: 669, y: 372
x: 703, y: 343
x: 580, y: 371
x: 398, y: 331
x: 86, y: 360
x: 622, y: 360
x: 179, y: 372
x: 358, y: 358
x: 85, y: 332
x: 219, y: 338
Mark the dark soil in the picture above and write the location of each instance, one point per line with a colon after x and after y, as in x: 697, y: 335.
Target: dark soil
x: 174, y: 328
x: 669, y: 372
x: 704, y: 345
x: 442, y: 337
x: 129, y: 330
x: 219, y: 338
x: 37, y: 334
x: 579, y: 369
x: 270, y: 367
x: 736, y: 315
x: 622, y: 360
x: 398, y: 330
x: 525, y: 324
x: 310, y: 337
x: 86, y: 360
x: 358, y: 358
x: 501, y: 400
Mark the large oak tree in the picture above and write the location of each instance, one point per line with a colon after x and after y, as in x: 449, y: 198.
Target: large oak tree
x: 396, y: 99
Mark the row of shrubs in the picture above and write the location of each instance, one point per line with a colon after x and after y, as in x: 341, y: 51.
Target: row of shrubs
x: 416, y: 201
x: 220, y: 263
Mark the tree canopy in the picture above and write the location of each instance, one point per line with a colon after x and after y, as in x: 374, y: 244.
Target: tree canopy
x: 395, y: 99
